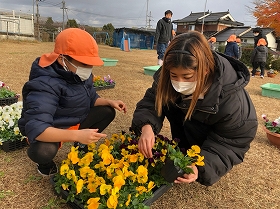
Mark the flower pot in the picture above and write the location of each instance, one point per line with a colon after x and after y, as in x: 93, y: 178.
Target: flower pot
x: 97, y: 88
x: 77, y: 205
x: 258, y: 73
x: 8, y: 146
x: 273, y: 138
x: 271, y: 75
x: 170, y: 172
x: 8, y: 101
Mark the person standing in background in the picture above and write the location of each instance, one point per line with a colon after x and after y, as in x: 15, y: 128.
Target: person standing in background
x: 238, y: 41
x: 164, y: 34
x: 259, y: 57
x: 212, y: 42
x: 258, y: 34
x: 231, y: 47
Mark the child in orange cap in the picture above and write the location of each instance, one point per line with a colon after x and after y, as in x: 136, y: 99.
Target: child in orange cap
x: 59, y: 95
x: 231, y: 47
x: 212, y: 42
x: 259, y: 56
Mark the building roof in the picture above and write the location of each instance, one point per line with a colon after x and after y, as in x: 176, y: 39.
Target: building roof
x: 221, y: 17
x: 238, y: 31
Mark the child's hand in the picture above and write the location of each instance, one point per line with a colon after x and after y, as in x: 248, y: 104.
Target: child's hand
x: 88, y: 136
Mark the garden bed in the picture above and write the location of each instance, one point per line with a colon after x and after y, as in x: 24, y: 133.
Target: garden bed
x: 109, y: 62
x: 150, y: 70
x: 98, y: 88
x: 271, y: 90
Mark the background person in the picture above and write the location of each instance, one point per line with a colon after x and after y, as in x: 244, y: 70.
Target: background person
x: 238, y: 41
x: 202, y: 94
x: 212, y: 42
x: 231, y: 48
x: 259, y: 56
x: 258, y: 34
x: 59, y: 95
x: 164, y: 34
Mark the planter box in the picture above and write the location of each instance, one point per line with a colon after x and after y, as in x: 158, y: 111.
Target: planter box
x: 109, y: 62
x: 98, y: 88
x: 271, y: 90
x: 76, y: 205
x: 8, y: 101
x: 150, y: 70
x: 13, y: 145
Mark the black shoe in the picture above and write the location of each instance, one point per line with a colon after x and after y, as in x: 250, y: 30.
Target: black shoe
x: 48, y: 169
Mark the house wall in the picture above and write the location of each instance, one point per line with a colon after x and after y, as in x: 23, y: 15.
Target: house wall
x: 183, y: 27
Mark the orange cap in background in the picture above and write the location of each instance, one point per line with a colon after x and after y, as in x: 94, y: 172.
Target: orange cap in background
x: 213, y: 39
x: 76, y: 43
x: 262, y: 42
x: 238, y: 40
x: 232, y: 38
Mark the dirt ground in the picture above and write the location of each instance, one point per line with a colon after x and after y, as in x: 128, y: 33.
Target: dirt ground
x: 253, y: 184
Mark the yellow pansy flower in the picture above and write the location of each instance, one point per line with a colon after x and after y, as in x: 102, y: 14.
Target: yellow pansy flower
x: 79, y: 185
x: 104, y: 188
x: 73, y: 155
x: 93, y: 203
x: 112, y: 201
x: 118, y: 181
x: 128, y: 200
x: 64, y: 169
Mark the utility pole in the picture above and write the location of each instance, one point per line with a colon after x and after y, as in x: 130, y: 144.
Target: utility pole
x: 147, y: 15
x: 63, y: 9
x: 37, y: 32
x: 149, y: 20
x: 202, y: 27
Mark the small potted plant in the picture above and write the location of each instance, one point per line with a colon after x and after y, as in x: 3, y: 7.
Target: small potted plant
x: 271, y: 72
x: 10, y: 137
x: 177, y: 164
x: 7, y: 96
x: 258, y: 72
x: 100, y: 83
x: 272, y: 129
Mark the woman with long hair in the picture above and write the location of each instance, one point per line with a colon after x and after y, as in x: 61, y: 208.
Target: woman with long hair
x: 201, y: 93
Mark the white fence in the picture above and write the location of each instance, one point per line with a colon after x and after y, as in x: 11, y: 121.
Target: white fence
x: 16, y: 24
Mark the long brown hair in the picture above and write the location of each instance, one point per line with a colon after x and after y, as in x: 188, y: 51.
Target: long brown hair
x: 190, y: 51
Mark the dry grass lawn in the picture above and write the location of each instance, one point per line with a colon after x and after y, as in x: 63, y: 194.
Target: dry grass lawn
x: 252, y: 184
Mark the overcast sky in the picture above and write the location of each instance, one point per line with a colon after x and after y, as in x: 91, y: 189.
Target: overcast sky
x: 128, y: 13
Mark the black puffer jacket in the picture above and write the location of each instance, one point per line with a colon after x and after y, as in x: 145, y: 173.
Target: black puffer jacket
x: 54, y: 97
x: 259, y: 54
x: 163, y: 31
x: 224, y: 123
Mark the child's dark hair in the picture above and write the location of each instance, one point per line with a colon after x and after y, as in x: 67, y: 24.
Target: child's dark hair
x: 168, y: 12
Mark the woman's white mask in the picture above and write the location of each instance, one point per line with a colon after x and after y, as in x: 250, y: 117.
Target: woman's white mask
x: 186, y: 88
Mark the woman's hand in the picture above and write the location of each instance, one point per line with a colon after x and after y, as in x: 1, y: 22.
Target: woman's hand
x: 118, y: 105
x: 188, y: 178
x: 146, y: 141
x: 88, y: 136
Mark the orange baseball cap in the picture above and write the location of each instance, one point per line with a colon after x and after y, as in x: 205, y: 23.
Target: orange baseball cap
x: 76, y: 43
x: 213, y: 39
x: 261, y: 42
x: 232, y: 38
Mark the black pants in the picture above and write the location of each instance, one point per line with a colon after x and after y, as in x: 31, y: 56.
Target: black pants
x: 255, y: 67
x: 99, y: 117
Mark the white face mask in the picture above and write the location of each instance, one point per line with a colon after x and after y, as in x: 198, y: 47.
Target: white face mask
x: 185, y: 88
x: 82, y: 72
